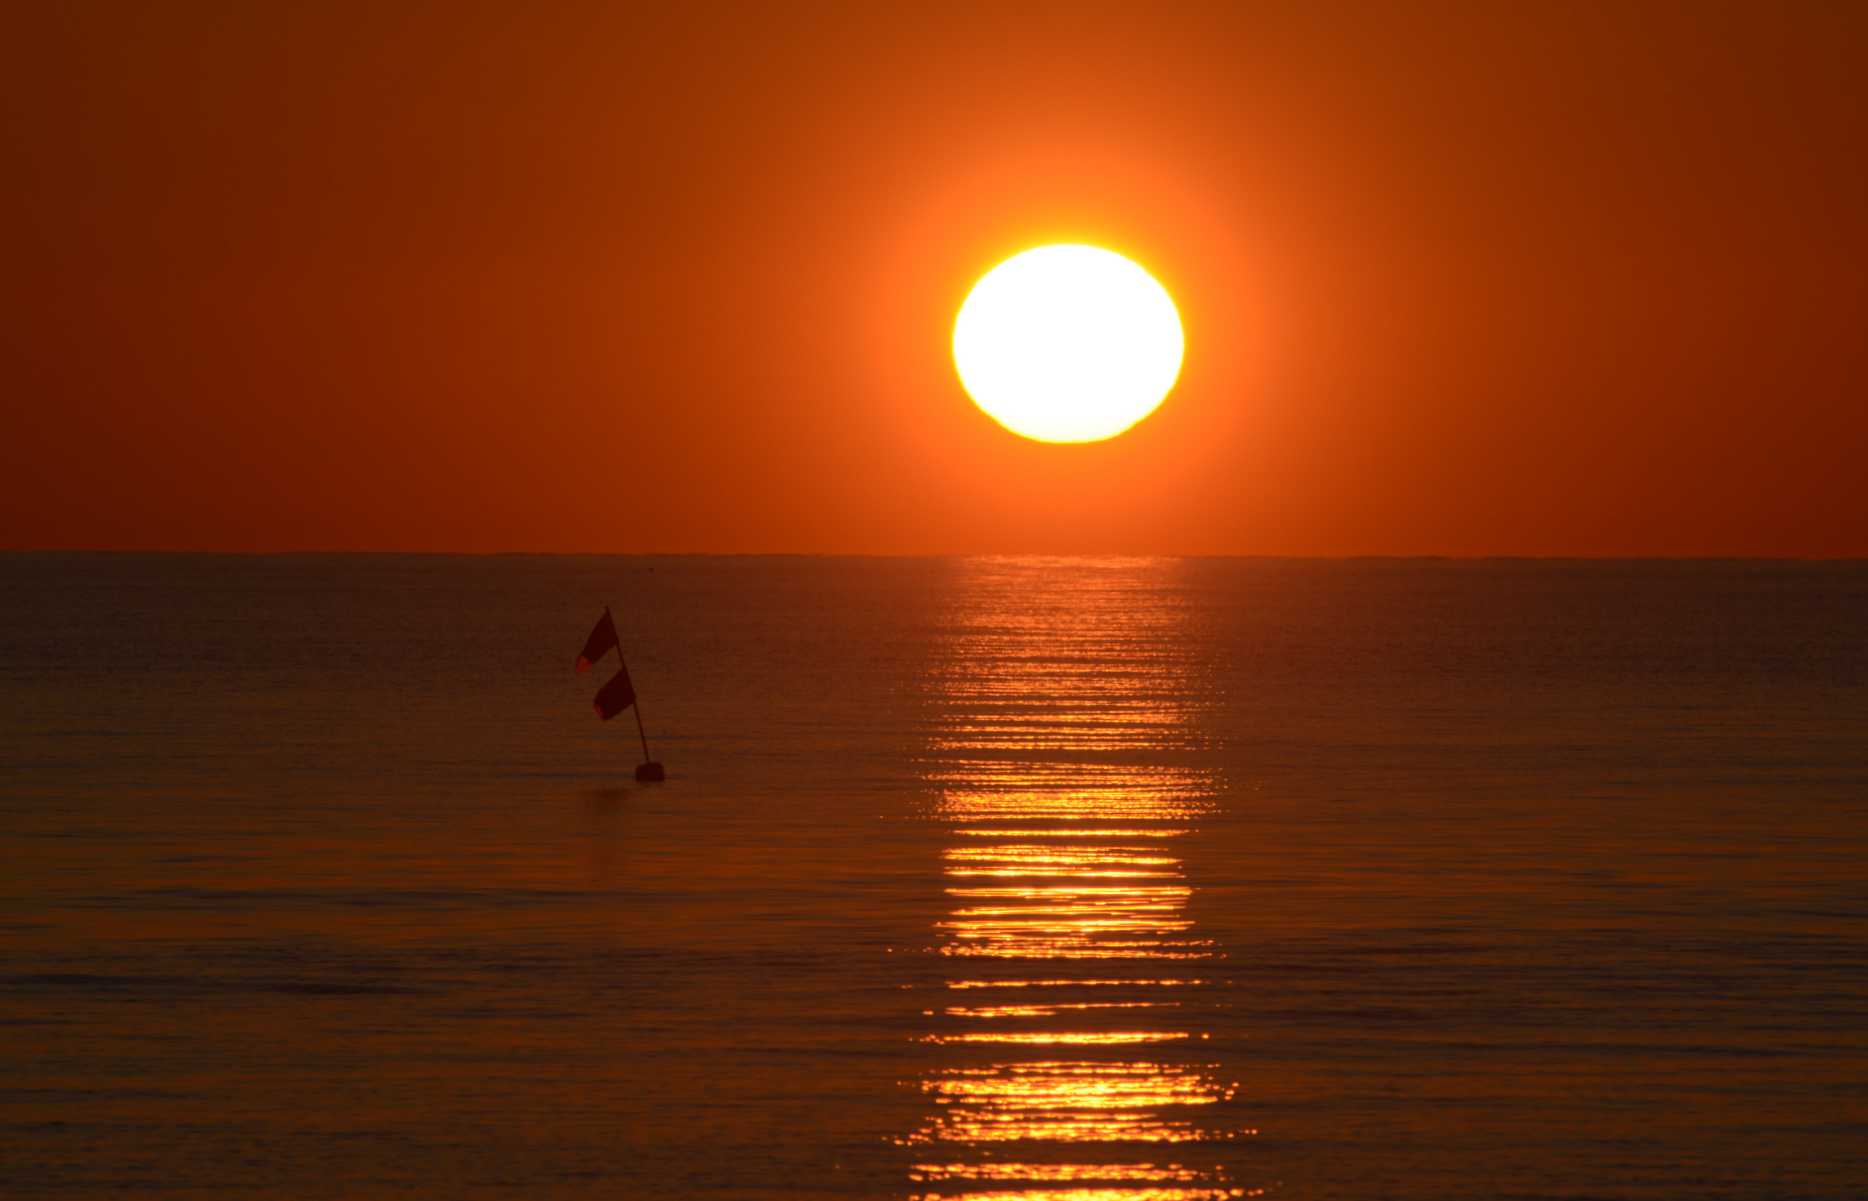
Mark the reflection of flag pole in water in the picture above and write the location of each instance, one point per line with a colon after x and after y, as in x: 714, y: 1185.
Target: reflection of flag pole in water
x: 619, y: 693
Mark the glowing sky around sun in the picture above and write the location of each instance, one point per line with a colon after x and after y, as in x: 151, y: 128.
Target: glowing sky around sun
x: 1546, y: 280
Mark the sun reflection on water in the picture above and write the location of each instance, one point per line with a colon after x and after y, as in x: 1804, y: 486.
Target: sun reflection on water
x: 1064, y: 763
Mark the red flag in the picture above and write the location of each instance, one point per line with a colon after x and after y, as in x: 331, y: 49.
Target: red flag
x: 617, y: 695
x: 601, y: 639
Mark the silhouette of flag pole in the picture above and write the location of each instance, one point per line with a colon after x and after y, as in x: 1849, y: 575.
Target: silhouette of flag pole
x: 619, y: 693
x: 637, y: 706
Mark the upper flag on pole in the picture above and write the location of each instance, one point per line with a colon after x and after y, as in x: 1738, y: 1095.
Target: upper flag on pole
x: 602, y: 639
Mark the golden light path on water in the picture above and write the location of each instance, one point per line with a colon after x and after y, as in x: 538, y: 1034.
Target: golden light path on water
x: 1076, y: 1067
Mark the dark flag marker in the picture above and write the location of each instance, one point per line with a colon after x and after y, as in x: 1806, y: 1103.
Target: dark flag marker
x: 615, y: 696
x: 619, y: 694
x: 598, y: 645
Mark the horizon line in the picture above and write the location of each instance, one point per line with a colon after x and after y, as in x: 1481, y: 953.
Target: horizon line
x: 180, y: 552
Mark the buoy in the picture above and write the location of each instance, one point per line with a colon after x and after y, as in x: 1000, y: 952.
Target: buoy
x: 619, y: 693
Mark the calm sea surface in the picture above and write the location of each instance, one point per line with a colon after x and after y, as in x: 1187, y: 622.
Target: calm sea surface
x: 1010, y: 879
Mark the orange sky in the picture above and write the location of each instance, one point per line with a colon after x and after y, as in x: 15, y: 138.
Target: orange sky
x: 1457, y: 279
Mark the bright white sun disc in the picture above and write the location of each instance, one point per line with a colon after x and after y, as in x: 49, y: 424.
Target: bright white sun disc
x: 1068, y: 343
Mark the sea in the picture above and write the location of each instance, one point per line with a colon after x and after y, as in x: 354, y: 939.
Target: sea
x: 995, y: 879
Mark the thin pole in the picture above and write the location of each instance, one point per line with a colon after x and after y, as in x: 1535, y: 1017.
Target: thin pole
x: 639, y: 732
x: 636, y: 704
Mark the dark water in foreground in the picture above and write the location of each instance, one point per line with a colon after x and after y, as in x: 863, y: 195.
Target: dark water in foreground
x: 1122, y: 880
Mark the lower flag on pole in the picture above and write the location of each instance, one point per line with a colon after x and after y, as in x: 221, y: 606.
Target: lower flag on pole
x: 617, y: 695
x: 602, y: 638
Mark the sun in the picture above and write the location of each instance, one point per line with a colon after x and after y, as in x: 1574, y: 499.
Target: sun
x: 1068, y: 343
